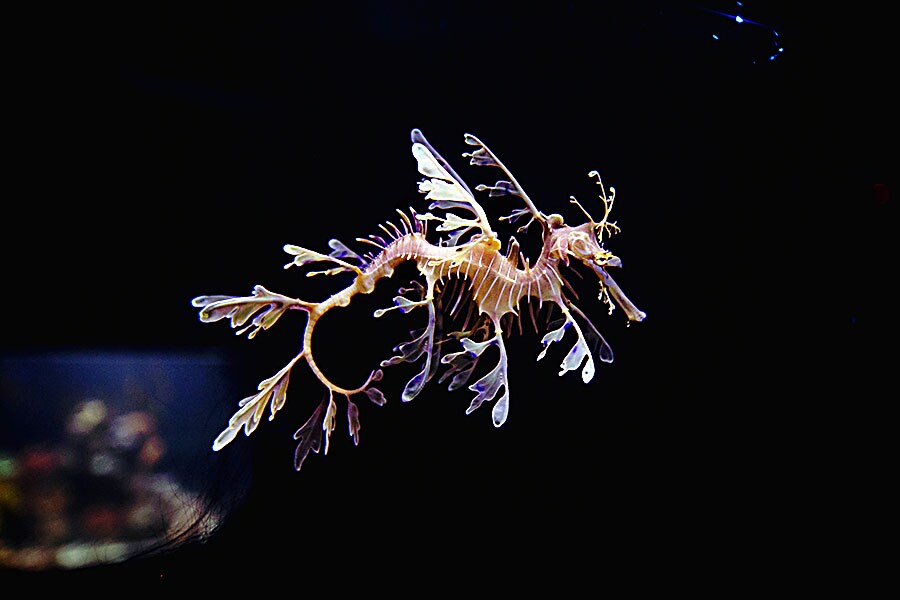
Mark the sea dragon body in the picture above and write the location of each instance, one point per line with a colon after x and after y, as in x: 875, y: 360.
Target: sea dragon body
x: 493, y: 283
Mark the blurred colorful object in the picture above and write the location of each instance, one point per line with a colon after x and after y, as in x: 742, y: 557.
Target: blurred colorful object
x: 99, y: 460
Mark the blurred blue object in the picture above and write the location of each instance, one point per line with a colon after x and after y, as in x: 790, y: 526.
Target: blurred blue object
x: 106, y: 455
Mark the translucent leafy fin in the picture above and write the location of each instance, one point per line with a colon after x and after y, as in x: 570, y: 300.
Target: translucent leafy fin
x: 486, y: 388
x: 376, y: 396
x: 412, y: 351
x: 599, y: 347
x: 444, y: 187
x: 417, y: 137
x: 309, y: 435
x: 340, y: 251
x: 304, y: 256
x: 483, y: 157
x: 489, y: 386
x: 404, y: 304
x: 462, y: 365
x: 353, y: 421
x: 328, y: 421
x: 272, y: 392
x: 401, y: 303
x: 580, y: 352
x: 429, y: 349
x: 452, y: 222
x: 409, y: 351
x: 239, y: 309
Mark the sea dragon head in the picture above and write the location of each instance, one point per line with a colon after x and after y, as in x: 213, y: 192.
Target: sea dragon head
x: 585, y: 243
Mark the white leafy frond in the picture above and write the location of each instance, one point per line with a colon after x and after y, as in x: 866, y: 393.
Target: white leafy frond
x: 443, y: 186
x: 272, y: 392
x: 577, y: 355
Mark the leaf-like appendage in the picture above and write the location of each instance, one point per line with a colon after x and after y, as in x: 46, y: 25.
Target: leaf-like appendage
x: 576, y: 356
x: 501, y: 406
x: 489, y: 386
x: 476, y: 348
x: 440, y: 190
x: 304, y: 256
x: 515, y: 215
x: 328, y: 421
x: 453, y: 238
x: 225, y: 438
x: 599, y: 347
x: 415, y: 385
x: 428, y: 165
x: 240, y: 308
x: 551, y: 336
x: 204, y: 301
x: 453, y: 222
x: 443, y: 185
x: 421, y: 344
x: 272, y: 392
x: 409, y: 351
x: 341, y: 251
x: 432, y: 354
x: 448, y: 205
x: 418, y: 137
x: 376, y: 396
x: 310, y: 434
x: 353, y: 421
x: 462, y: 365
x: 279, y: 394
x: 401, y: 303
x: 501, y: 188
x: 331, y: 271
x: 481, y: 157
x: 405, y: 305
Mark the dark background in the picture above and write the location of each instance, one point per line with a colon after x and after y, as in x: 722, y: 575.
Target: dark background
x: 166, y: 151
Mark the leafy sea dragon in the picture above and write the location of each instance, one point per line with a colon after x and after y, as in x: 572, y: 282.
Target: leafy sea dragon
x: 468, y: 265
